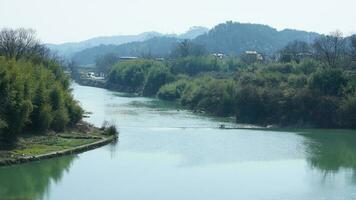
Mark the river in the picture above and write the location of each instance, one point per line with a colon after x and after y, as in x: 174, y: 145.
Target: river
x: 167, y: 153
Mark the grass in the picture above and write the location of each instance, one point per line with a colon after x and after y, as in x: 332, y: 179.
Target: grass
x: 33, y: 145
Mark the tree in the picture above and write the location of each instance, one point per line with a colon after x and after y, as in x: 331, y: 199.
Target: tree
x: 327, y: 82
x: 295, y: 51
x: 330, y: 48
x: 105, y: 62
x: 157, y: 76
x: 188, y: 48
x: 19, y: 43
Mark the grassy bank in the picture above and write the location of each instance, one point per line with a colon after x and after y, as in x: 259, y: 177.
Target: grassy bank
x: 31, y: 147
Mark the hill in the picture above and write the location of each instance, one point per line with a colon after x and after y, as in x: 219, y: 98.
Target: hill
x: 155, y: 47
x: 234, y: 38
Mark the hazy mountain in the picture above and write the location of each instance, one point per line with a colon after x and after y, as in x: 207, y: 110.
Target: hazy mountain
x: 67, y: 49
x: 234, y: 38
x: 194, y: 32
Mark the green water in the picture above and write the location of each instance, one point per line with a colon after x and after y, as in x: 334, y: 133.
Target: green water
x: 167, y: 153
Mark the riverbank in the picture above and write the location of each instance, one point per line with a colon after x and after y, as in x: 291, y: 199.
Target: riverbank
x: 31, y: 148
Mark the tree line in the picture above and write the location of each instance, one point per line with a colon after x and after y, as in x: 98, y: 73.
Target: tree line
x: 35, y: 93
x: 306, y: 84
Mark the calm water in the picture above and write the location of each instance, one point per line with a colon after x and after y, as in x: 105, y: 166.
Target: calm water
x: 164, y: 153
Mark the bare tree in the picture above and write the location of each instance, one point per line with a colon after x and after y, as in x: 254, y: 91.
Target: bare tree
x: 330, y: 48
x: 19, y: 43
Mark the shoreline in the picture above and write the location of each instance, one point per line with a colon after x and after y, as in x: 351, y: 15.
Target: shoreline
x: 60, y: 153
x: 29, y: 148
x: 272, y: 126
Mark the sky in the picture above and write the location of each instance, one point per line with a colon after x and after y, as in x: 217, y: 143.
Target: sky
x: 59, y: 21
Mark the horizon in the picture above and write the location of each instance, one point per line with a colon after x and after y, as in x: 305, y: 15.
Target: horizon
x: 58, y: 22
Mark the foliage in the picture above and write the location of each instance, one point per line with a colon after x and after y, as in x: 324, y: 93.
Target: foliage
x: 235, y: 38
x: 303, y: 90
x: 327, y: 82
x: 295, y: 51
x: 34, y: 91
x: 158, y: 75
x: 173, y: 91
x: 188, y: 48
x: 33, y: 98
x: 131, y: 75
x: 105, y: 62
x: 194, y: 65
x: 109, y: 128
x: 209, y: 94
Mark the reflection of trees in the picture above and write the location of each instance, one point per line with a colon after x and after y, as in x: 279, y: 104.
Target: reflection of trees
x: 31, y: 181
x: 330, y: 150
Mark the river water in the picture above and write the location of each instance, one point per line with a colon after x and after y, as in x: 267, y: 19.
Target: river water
x: 167, y: 153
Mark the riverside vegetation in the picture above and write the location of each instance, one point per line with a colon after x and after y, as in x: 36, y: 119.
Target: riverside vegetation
x: 36, y: 100
x: 309, y: 85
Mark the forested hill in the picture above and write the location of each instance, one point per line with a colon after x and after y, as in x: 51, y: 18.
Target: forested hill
x: 155, y: 47
x: 235, y: 38
x: 229, y: 38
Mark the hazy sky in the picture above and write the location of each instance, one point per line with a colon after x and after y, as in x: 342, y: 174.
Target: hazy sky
x: 59, y: 21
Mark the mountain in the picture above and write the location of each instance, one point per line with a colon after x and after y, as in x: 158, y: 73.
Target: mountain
x: 193, y: 32
x: 235, y: 38
x: 230, y: 38
x: 68, y: 49
x: 155, y: 47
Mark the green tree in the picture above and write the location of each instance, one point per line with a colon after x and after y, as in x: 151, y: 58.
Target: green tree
x: 157, y: 76
x: 327, y: 82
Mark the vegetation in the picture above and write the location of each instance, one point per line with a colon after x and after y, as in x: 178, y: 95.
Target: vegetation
x: 34, y: 91
x: 310, y: 85
x: 109, y: 128
x: 143, y: 76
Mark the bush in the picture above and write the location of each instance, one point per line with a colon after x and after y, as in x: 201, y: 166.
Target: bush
x: 348, y: 112
x: 212, y: 95
x: 131, y: 75
x: 157, y: 76
x: 109, y: 128
x: 172, y: 91
x: 327, y: 82
x: 195, y: 65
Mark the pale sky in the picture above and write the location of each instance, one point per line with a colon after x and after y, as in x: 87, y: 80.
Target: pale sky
x: 58, y: 21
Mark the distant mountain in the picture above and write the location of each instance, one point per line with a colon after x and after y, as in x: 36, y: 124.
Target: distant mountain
x: 234, y: 38
x: 229, y: 38
x: 194, y: 32
x: 68, y: 49
x: 155, y: 47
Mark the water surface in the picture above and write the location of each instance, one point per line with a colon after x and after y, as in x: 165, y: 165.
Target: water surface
x: 168, y: 153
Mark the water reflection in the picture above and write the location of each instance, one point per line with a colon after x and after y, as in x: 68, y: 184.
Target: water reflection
x: 331, y: 150
x: 31, y: 181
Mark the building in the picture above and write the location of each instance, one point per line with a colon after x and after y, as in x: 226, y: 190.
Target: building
x: 251, y: 57
x: 219, y: 55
